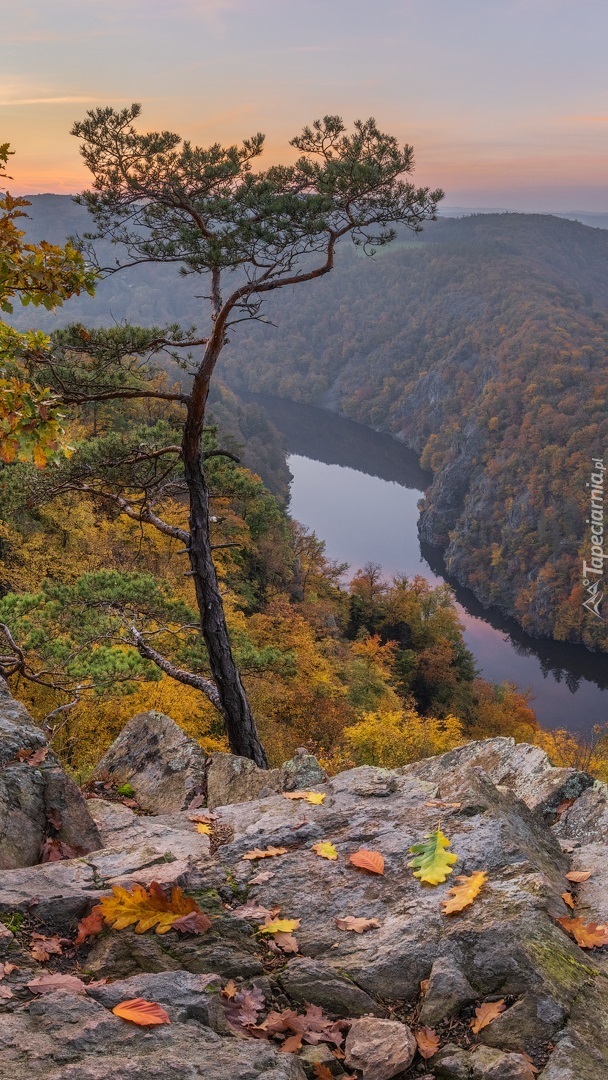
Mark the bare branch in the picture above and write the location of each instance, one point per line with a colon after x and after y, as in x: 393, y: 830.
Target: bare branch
x: 199, y: 682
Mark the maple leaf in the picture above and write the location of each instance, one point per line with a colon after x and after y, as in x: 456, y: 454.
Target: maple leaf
x: 427, y: 1041
x: 268, y: 853
x: 146, y: 908
x: 242, y: 1010
x: 203, y: 827
x: 325, y: 850
x: 91, y: 925
x: 462, y: 896
x: 587, y: 935
x: 42, y: 947
x: 315, y: 798
x: 47, y: 984
x: 141, y: 1012
x: 568, y: 899
x: 432, y: 863
x: 486, y: 1013
x: 261, y: 878
x: 371, y: 861
x: 279, y: 926
x: 359, y: 926
x: 579, y: 875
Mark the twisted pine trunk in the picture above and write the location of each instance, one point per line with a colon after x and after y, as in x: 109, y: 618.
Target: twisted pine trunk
x: 240, y: 724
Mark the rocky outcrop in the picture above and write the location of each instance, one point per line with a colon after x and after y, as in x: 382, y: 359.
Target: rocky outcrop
x: 167, y: 771
x: 39, y: 804
x: 498, y: 805
x: 165, y: 768
x: 232, y: 779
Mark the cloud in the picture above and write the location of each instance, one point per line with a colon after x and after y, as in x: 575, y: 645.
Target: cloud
x: 68, y: 99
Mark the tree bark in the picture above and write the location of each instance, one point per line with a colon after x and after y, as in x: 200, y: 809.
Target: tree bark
x: 240, y: 724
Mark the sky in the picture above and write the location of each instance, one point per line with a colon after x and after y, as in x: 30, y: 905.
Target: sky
x: 504, y: 101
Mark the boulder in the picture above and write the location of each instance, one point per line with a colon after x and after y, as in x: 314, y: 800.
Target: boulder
x: 232, y: 779
x: 38, y: 801
x: 480, y: 1063
x: 379, y: 1049
x: 165, y: 768
x: 64, y: 1036
x: 314, y: 981
x: 448, y: 991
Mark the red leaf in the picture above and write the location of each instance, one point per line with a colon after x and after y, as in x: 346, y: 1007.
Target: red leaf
x: 371, y: 861
x: 141, y: 1012
x: 195, y: 922
x: 89, y: 926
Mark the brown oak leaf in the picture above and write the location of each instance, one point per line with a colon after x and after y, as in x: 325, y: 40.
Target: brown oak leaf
x: 486, y: 1013
x: 587, y: 935
x: 359, y: 926
x: 267, y: 853
x: 42, y: 947
x: 47, y: 984
x: 427, y: 1041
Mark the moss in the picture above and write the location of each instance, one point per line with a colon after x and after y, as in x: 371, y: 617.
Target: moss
x: 126, y: 790
x: 208, y: 900
x: 13, y: 920
x: 552, y: 957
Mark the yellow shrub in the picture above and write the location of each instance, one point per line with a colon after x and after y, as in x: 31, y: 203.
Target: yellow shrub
x: 391, y: 739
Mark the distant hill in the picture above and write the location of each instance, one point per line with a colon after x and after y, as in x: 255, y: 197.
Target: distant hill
x: 482, y: 344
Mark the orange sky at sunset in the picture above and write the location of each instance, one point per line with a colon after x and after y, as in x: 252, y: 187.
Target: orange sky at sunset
x: 504, y: 100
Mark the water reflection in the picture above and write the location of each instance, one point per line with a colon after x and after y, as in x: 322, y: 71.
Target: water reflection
x: 359, y: 490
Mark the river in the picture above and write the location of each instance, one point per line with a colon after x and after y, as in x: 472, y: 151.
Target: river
x: 359, y: 491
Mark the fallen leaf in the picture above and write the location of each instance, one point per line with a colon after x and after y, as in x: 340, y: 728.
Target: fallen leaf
x: 568, y: 899
x: 359, y: 926
x: 46, y: 984
x: 252, y: 911
x: 230, y: 990
x: 371, y: 861
x: 441, y: 805
x: 287, y: 942
x: 141, y: 1012
x: 462, y: 896
x: 427, y: 1041
x: 292, y: 1044
x: 242, y: 1010
x: 325, y: 850
x: 7, y: 969
x: 532, y: 1071
x: 6, y: 993
x: 262, y: 877
x: 147, y: 908
x: 54, y: 818
x: 268, y: 853
x: 200, y: 819
x: 34, y: 757
x: 563, y: 806
x: 486, y: 1013
x: 313, y: 797
x: 54, y: 850
x: 432, y: 863
x: 89, y: 926
x: 321, y: 1072
x: 424, y: 985
x: 588, y: 935
x: 204, y: 828
x: 42, y: 947
x: 579, y: 875
x: 195, y: 922
x: 279, y: 926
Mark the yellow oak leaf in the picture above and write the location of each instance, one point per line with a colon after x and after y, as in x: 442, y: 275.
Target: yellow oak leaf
x: 432, y: 863
x: 313, y: 797
x: 325, y: 849
x: 279, y: 926
x: 588, y: 935
x: 462, y: 895
x: 146, y: 908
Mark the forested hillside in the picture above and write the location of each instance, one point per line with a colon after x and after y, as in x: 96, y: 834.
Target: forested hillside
x: 482, y: 344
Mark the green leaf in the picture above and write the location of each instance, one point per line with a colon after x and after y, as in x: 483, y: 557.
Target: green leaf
x: 432, y: 862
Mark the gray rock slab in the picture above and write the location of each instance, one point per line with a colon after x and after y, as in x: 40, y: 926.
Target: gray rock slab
x: 165, y: 768
x: 379, y: 1049
x: 39, y: 801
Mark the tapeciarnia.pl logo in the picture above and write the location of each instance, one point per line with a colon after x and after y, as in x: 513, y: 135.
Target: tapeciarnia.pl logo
x: 593, y: 571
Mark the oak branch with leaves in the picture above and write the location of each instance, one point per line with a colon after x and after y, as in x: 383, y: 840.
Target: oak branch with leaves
x: 158, y: 198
